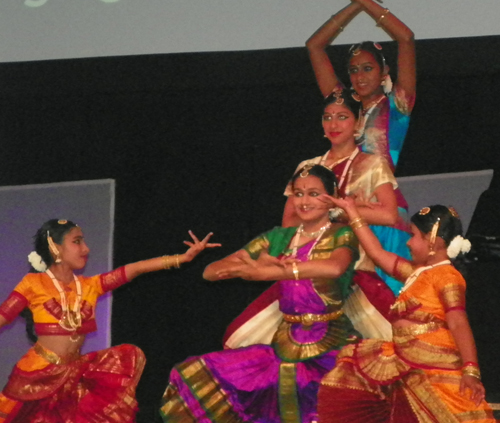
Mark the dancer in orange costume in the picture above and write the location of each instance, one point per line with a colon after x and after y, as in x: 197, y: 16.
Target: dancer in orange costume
x: 53, y: 382
x: 429, y: 372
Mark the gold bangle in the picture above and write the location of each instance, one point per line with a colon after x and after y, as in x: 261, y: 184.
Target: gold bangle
x: 357, y: 223
x: 382, y: 16
x: 166, y: 262
x: 177, y: 263
x: 295, y: 271
x: 471, y: 370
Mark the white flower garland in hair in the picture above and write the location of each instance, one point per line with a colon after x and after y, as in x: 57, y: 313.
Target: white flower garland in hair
x: 458, y: 245
x: 387, y: 84
x: 37, y: 262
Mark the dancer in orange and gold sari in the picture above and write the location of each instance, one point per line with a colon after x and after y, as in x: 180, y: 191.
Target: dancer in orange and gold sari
x: 428, y: 373
x: 53, y: 382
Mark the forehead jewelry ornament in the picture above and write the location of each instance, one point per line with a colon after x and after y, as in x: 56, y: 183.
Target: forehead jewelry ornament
x: 377, y: 46
x: 424, y: 211
x: 338, y: 97
x: 434, y: 231
x: 453, y: 212
x: 304, y: 173
x: 355, y: 49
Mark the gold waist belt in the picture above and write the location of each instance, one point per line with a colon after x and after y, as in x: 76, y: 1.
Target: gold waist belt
x: 308, y: 319
x: 418, y: 329
x: 54, y: 358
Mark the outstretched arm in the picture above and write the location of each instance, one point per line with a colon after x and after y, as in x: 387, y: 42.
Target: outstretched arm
x: 403, y: 35
x: 316, y: 45
x: 382, y: 258
x: 462, y: 334
x: 133, y: 270
x: 3, y: 321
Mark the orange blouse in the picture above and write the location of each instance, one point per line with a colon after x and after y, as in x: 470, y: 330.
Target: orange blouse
x: 37, y: 292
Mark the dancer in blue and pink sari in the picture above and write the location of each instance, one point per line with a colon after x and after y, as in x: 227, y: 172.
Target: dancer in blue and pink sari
x: 279, y: 382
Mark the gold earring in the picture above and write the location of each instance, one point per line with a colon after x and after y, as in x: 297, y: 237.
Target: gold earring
x: 53, y: 249
x: 434, y: 231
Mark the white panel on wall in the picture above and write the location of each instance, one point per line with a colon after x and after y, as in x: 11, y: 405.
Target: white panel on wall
x: 23, y: 209
x: 51, y: 29
x: 460, y: 190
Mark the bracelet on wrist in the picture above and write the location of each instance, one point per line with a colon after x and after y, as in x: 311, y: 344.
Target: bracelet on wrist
x: 170, y: 261
x: 471, y: 370
x: 295, y: 271
x: 357, y: 223
x: 382, y: 16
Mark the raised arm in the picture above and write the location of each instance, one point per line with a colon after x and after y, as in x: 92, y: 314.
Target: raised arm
x: 133, y: 270
x: 317, y: 43
x: 3, y: 321
x: 384, y: 211
x: 382, y: 258
x: 403, y: 35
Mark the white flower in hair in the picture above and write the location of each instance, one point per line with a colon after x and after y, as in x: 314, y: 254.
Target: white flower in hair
x: 37, y: 262
x: 387, y: 84
x: 458, y: 245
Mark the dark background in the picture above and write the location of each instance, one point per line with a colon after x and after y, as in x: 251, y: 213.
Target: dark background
x: 206, y: 142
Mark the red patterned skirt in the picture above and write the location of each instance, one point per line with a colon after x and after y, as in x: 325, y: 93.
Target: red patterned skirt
x: 98, y: 387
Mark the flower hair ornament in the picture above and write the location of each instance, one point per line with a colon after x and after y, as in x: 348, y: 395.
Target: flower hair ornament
x: 386, y: 84
x: 37, y: 262
x: 458, y: 245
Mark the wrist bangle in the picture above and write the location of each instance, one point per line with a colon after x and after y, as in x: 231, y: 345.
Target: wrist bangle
x: 357, y: 223
x: 471, y: 370
x: 382, y: 16
x: 166, y: 262
x: 295, y: 271
x: 470, y: 363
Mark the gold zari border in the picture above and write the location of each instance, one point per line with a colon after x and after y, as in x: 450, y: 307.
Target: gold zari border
x: 208, y: 392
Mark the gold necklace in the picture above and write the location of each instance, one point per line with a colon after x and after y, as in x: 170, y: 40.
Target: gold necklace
x: 71, y: 320
x: 301, y: 231
x: 372, y: 104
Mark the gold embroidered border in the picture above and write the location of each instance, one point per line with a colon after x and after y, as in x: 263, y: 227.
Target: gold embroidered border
x: 402, y: 269
x: 174, y: 409
x: 476, y: 415
x: 417, y: 352
x: 338, y: 333
x: 419, y: 391
x: 453, y: 296
x: 418, y: 329
x: 209, y: 393
x: 288, y: 398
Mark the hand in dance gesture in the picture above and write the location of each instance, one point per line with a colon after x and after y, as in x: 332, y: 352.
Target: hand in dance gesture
x: 251, y: 270
x: 197, y: 246
x: 477, y: 391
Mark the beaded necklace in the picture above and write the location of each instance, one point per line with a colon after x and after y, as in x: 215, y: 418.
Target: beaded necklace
x: 71, y: 320
x: 300, y: 231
